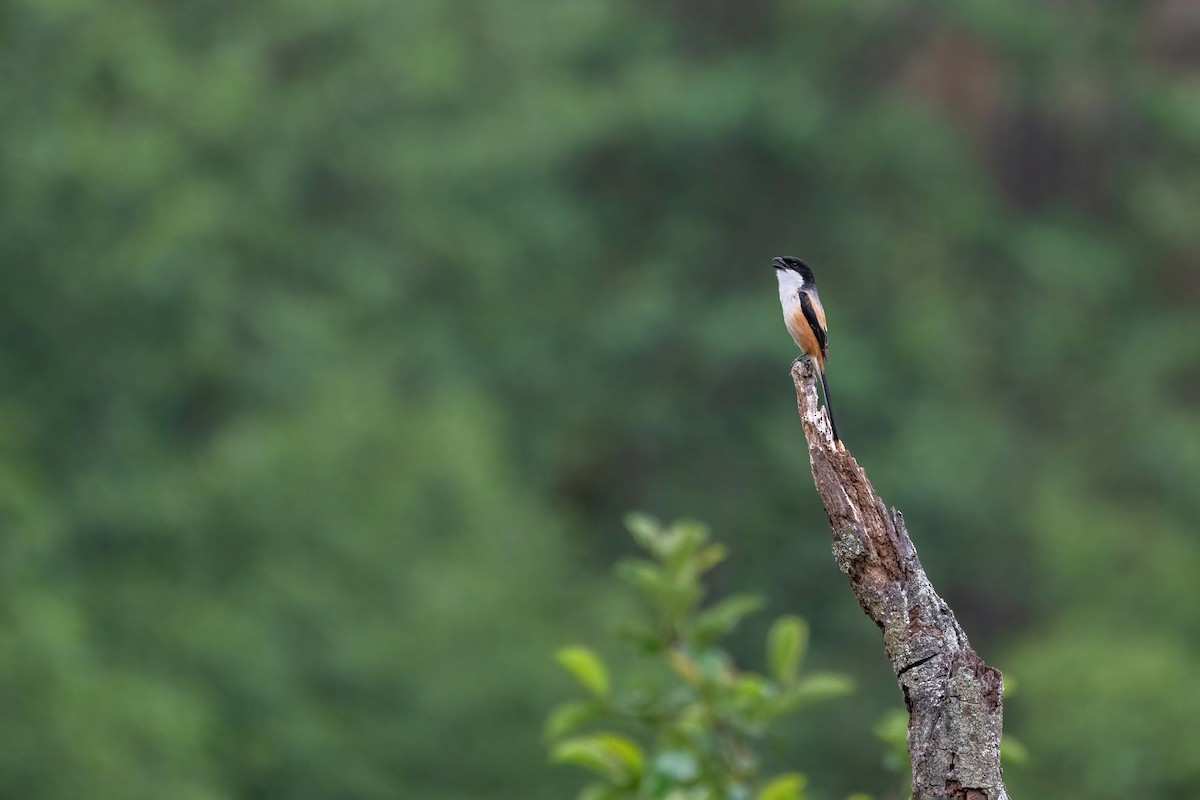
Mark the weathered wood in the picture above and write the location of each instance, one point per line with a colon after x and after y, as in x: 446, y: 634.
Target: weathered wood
x: 954, y: 700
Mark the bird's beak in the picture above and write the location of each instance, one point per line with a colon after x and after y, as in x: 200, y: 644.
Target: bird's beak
x: 779, y: 263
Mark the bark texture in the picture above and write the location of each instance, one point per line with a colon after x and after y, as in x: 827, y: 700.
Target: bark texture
x: 953, y: 698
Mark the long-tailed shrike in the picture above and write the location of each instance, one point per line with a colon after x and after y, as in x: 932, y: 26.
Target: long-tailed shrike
x: 805, y: 317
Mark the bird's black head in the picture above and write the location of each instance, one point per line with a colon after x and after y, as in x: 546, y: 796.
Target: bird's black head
x: 795, y: 265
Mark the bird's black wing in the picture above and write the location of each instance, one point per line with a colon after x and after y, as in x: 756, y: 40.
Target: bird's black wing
x: 810, y: 317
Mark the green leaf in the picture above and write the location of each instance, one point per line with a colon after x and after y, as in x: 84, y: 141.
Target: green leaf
x: 752, y: 696
x: 692, y: 721
x: 679, y: 766
x: 814, y: 688
x: 892, y: 728
x: 751, y: 688
x: 823, y: 685
x: 786, y: 645
x: 586, y: 667
x: 569, y: 716
x: 646, y: 576
x: 859, y: 796
x: 612, y: 756
x: 681, y: 542
x: 599, y: 791
x: 710, y: 556
x: 1012, y: 751
x: 789, y: 786
x: 626, y: 750
x: 716, y: 667
x: 646, y: 531
x: 684, y: 665
x: 723, y: 617
x: 669, y: 597
x: 736, y: 790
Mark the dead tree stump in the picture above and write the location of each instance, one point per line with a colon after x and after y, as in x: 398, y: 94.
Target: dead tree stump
x: 954, y: 700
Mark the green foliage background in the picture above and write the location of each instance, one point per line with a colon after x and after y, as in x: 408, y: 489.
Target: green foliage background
x: 338, y: 337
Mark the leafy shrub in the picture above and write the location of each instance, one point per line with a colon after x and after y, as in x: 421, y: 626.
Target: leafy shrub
x: 686, y: 723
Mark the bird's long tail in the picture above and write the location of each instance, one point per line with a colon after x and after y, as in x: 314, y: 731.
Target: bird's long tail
x: 829, y: 406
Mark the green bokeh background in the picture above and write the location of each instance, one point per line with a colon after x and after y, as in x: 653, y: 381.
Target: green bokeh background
x: 336, y: 339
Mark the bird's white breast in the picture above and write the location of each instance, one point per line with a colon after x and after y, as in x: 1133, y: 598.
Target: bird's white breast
x: 790, y: 285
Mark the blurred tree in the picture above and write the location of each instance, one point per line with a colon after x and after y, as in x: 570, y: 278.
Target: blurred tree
x: 337, y: 336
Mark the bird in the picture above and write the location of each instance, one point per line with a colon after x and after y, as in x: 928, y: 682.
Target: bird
x: 805, y: 318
